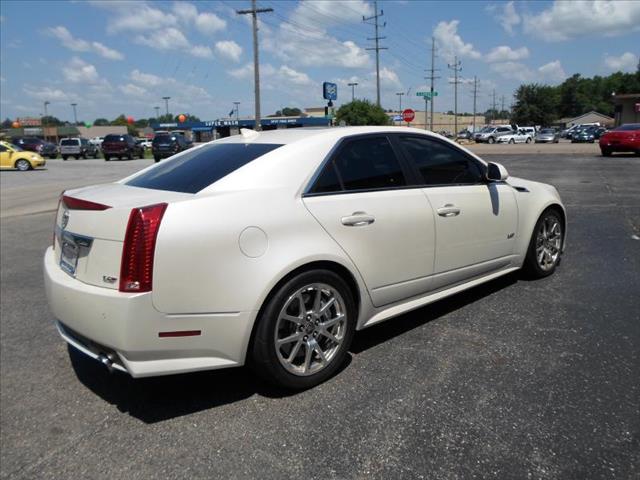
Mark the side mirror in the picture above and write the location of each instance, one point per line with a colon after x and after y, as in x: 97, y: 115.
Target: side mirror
x: 496, y: 172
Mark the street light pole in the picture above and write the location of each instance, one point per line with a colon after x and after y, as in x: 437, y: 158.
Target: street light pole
x: 157, y: 109
x: 166, y: 104
x: 75, y: 115
x: 44, y: 122
x: 353, y: 90
x: 400, y: 94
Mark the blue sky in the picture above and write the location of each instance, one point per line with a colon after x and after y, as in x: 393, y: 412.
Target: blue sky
x: 113, y: 57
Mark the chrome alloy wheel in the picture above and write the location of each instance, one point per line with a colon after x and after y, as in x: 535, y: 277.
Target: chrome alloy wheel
x: 548, y: 242
x: 310, y: 329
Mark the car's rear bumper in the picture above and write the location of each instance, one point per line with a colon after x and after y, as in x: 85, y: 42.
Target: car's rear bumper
x: 126, y: 328
x: 164, y: 153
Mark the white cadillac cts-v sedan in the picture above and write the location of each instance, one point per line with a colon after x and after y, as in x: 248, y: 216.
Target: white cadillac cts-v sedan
x: 273, y: 248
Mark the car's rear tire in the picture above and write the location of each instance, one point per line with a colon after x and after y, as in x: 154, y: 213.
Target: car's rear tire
x: 545, y: 246
x: 130, y: 156
x: 314, y: 312
x: 156, y: 159
x: 528, y: 140
x: 107, y: 158
x: 512, y: 141
x: 23, y: 165
x: 64, y: 157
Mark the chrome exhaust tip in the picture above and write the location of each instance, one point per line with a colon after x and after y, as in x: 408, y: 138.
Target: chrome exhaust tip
x: 107, y: 361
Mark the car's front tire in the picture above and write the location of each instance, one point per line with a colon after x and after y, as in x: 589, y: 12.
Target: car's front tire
x: 545, y: 247
x: 490, y: 140
x: 304, y: 331
x: 23, y: 165
x: 605, y: 152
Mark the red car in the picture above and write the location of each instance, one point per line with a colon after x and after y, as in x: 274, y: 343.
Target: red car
x: 625, y: 138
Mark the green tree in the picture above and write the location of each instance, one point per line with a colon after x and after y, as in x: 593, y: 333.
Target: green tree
x: 101, y: 122
x: 362, y: 112
x: 51, y: 121
x: 8, y: 123
x: 535, y: 105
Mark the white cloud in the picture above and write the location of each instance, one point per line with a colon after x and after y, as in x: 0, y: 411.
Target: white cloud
x: 553, y: 71
x: 295, y: 77
x: 132, y: 90
x: 146, y: 79
x: 106, y: 52
x: 305, y: 41
x: 627, y: 62
x: 448, y: 40
x: 229, y: 49
x: 209, y: 23
x: 567, y: 20
x: 243, y: 72
x: 508, y: 17
x: 79, y: 71
x: 79, y: 45
x: 505, y: 53
x: 389, y: 78
x: 46, y: 93
x: 513, y: 71
x: 201, y: 51
x: 167, y: 39
x: 187, y: 12
x: 136, y: 17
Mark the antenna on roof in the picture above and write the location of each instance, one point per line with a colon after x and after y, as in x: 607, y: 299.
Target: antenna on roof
x: 249, y: 134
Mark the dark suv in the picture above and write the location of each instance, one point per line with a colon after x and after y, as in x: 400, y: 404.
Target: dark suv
x: 121, y: 146
x: 166, y: 144
x: 35, y: 144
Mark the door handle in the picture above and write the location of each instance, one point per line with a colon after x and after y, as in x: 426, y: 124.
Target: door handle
x: 358, y: 219
x: 449, y: 210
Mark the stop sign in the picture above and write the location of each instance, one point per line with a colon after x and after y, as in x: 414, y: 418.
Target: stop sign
x: 408, y: 115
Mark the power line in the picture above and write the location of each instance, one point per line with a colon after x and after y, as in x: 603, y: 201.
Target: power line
x: 456, y: 67
x: 377, y: 48
x: 254, y: 11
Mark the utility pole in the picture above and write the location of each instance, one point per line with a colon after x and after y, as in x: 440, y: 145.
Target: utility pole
x: 75, y: 116
x: 400, y: 94
x: 353, y: 90
x: 44, y: 121
x: 475, y: 96
x: 502, y: 104
x: 237, y: 104
x: 166, y: 104
x: 254, y: 11
x: 456, y: 67
x: 431, y: 77
x: 377, y: 48
x: 157, y: 109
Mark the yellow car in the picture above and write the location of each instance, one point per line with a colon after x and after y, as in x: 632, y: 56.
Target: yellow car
x: 12, y: 156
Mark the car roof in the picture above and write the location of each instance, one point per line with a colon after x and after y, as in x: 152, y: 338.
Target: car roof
x: 294, y: 135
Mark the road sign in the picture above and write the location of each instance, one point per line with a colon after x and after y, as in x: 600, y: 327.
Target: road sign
x: 426, y: 94
x: 408, y: 115
x: 329, y: 91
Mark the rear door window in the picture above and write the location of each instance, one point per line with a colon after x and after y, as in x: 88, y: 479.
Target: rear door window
x: 361, y: 164
x: 199, y: 168
x: 440, y: 164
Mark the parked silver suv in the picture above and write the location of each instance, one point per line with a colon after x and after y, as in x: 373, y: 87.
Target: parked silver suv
x: 78, y: 148
x: 491, y: 133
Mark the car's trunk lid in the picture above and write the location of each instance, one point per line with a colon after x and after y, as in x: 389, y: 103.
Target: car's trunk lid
x: 88, y: 242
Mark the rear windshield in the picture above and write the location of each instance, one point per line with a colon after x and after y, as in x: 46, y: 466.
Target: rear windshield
x: 197, y: 169
x: 547, y: 130
x: 163, y: 139
x: 628, y: 126
x: 113, y: 138
x: 69, y: 142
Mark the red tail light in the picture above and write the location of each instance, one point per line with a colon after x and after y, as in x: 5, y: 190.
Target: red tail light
x: 136, y: 270
x: 77, y: 204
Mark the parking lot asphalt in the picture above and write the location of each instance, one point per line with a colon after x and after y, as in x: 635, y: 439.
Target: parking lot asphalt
x: 513, y: 379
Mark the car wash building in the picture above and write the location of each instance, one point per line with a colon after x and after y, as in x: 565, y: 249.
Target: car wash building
x: 213, y: 129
